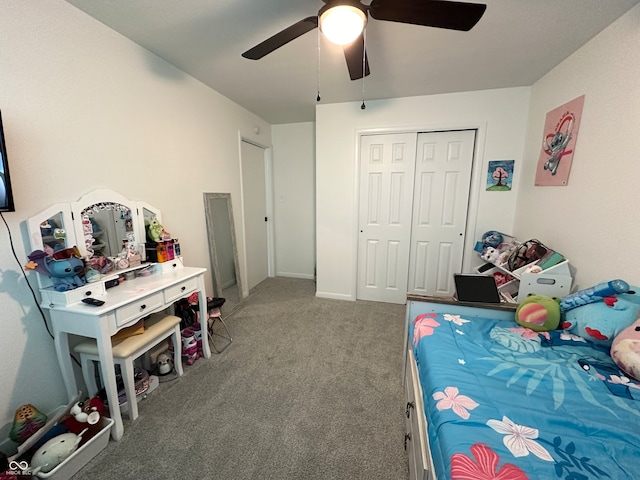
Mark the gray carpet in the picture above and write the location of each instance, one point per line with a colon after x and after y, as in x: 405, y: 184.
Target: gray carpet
x: 309, y: 389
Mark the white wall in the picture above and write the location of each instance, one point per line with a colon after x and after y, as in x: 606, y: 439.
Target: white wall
x: 294, y: 202
x: 500, y: 117
x: 594, y: 220
x: 85, y: 108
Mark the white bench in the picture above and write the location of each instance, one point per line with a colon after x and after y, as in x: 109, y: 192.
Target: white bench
x: 157, y: 327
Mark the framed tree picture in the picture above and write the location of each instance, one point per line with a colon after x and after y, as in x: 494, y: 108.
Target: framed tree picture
x: 500, y: 175
x: 559, y: 143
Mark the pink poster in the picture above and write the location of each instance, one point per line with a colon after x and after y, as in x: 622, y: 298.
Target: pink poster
x: 559, y: 143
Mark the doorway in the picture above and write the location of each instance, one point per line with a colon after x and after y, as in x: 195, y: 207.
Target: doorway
x: 254, y: 206
x: 413, y: 204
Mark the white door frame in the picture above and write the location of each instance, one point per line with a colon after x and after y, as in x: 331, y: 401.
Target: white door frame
x: 477, y: 177
x: 268, y: 178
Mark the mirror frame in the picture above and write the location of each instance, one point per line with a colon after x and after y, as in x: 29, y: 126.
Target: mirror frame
x: 35, y: 233
x: 72, y: 221
x: 213, y: 253
x: 72, y: 218
x: 101, y: 196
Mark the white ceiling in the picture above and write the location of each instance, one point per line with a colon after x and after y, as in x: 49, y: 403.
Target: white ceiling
x: 515, y: 43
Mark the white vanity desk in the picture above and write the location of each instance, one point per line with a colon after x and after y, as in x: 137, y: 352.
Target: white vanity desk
x: 124, y: 306
x: 113, y: 218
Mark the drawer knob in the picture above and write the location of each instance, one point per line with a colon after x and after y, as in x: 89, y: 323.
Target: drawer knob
x: 183, y: 288
x: 143, y: 306
x: 88, y: 293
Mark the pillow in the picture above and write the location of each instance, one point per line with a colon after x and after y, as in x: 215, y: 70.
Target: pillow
x: 600, y: 322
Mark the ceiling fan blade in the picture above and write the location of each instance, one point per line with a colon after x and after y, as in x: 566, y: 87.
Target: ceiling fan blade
x: 430, y: 13
x: 353, y: 55
x: 281, y: 38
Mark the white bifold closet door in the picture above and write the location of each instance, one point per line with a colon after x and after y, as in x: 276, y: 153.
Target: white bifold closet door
x: 413, y: 202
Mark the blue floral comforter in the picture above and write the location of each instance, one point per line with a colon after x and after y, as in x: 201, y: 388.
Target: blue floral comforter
x: 506, y: 403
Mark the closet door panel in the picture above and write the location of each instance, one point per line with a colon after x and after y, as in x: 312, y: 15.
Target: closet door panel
x: 441, y: 197
x: 387, y: 164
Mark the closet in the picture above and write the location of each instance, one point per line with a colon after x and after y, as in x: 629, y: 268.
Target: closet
x: 413, y: 201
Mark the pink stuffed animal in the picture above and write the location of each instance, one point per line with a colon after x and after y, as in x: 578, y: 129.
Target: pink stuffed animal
x: 625, y: 350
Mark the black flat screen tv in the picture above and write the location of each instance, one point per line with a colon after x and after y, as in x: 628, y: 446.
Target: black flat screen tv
x: 6, y: 194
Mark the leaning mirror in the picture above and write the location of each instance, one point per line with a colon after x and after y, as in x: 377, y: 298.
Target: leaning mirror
x: 223, y: 250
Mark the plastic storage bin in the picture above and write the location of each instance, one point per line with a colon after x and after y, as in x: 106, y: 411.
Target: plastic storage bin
x: 81, y: 456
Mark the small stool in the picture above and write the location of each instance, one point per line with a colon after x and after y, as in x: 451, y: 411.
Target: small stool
x: 157, y: 327
x: 214, y: 313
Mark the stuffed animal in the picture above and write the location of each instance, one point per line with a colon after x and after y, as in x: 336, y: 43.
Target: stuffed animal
x: 27, y: 421
x: 92, y: 275
x: 165, y: 364
x: 538, y: 313
x: 601, y: 321
x: 625, y: 350
x: 66, y: 273
x: 593, y: 294
x: 156, y: 232
x: 492, y: 238
x: 54, y: 452
x: 86, y: 415
x: 490, y: 254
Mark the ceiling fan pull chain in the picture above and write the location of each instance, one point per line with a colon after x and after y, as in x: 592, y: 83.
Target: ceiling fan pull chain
x: 318, y: 65
x: 364, y: 57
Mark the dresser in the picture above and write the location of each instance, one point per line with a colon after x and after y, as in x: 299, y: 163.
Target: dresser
x: 97, y: 225
x: 124, y: 306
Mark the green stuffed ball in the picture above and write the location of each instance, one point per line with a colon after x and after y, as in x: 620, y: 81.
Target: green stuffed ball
x: 539, y: 313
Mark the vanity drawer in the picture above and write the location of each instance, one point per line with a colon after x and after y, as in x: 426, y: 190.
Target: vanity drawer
x: 134, y: 310
x: 53, y: 297
x: 169, y: 266
x: 180, y: 290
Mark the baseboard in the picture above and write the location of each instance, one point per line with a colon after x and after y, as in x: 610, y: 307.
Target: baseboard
x: 303, y: 276
x: 335, y: 296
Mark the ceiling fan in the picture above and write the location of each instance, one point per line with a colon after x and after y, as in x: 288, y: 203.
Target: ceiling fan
x: 430, y: 13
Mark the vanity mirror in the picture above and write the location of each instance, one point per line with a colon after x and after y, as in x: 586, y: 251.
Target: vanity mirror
x: 105, y: 221
x: 98, y: 224
x: 53, y: 231
x: 223, y: 250
x: 107, y: 228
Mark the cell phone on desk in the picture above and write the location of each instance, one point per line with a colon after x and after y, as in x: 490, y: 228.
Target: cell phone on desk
x: 93, y: 301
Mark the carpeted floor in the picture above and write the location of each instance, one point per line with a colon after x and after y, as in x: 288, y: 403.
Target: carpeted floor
x: 309, y: 389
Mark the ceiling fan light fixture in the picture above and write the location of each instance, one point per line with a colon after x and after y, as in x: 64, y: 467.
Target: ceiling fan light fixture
x: 342, y: 24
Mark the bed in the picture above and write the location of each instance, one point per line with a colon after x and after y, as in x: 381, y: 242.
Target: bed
x: 487, y: 399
